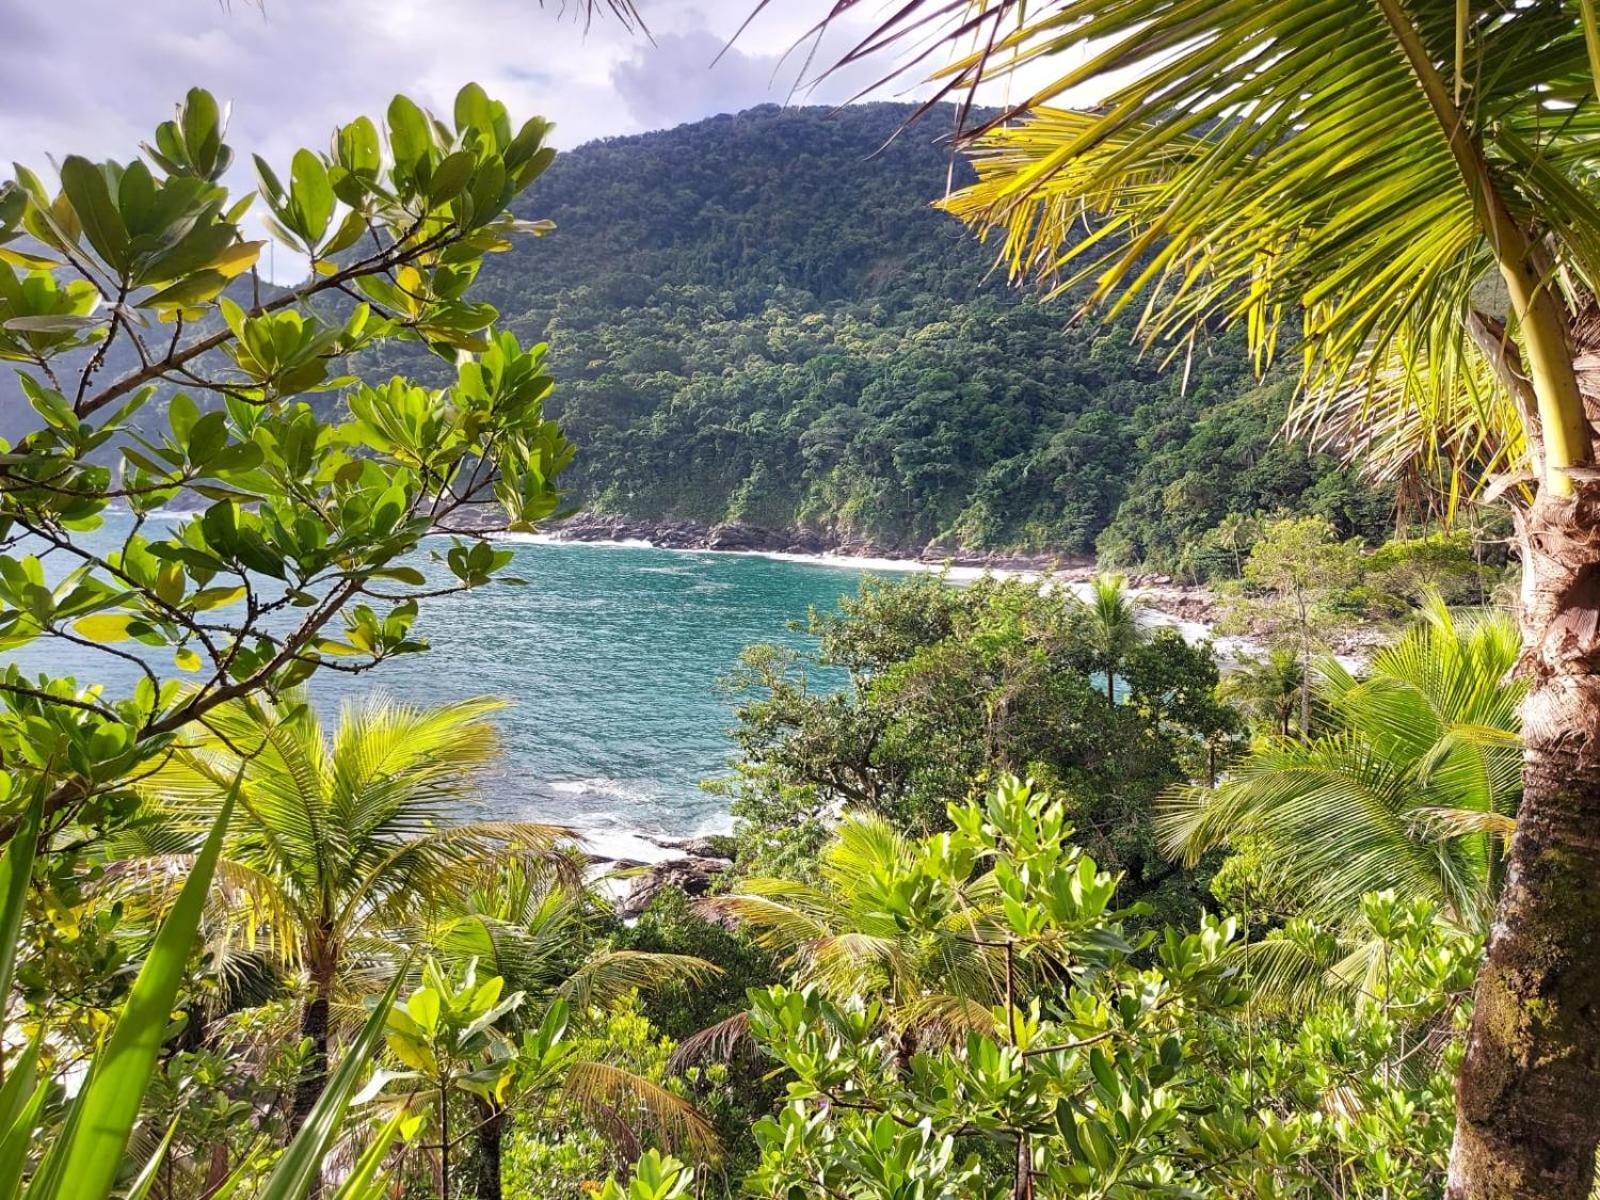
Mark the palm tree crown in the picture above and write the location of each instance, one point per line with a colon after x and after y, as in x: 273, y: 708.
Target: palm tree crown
x: 336, y: 843
x: 1412, y: 787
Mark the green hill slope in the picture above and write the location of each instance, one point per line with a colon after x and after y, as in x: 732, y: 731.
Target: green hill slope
x: 760, y: 318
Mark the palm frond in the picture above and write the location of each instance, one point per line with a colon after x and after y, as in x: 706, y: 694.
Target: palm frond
x: 609, y: 975
x: 721, y: 1042
x: 1292, y: 163
x: 622, y: 1103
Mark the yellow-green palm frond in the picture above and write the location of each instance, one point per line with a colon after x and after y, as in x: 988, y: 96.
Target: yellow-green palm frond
x: 951, y: 1017
x: 1413, y: 789
x: 774, y: 925
x: 607, y: 976
x: 623, y: 1105
x: 1446, y: 424
x: 430, y: 756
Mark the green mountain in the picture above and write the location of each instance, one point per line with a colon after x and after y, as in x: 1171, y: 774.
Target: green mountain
x: 761, y: 318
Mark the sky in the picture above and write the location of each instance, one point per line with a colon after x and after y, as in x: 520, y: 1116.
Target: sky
x: 94, y: 77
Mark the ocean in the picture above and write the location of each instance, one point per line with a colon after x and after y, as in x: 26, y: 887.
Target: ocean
x: 610, y: 656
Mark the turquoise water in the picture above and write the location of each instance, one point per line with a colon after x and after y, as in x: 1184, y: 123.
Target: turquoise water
x: 610, y: 658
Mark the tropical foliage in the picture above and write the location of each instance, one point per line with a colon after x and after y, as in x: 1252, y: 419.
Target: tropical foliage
x: 1411, y: 783
x: 948, y: 690
x: 1104, y: 1064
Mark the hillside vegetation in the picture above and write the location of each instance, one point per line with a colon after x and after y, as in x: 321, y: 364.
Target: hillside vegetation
x: 759, y: 317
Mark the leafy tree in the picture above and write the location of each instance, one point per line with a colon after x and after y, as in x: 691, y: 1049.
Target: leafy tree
x: 1439, y: 267
x: 446, y: 1035
x: 1299, y: 565
x: 847, y: 936
x: 293, y: 556
x: 950, y: 689
x: 537, y: 930
x: 1127, y: 1074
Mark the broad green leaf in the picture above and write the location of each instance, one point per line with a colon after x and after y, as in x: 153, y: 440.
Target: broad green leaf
x: 86, y: 189
x: 311, y: 195
x: 105, y: 627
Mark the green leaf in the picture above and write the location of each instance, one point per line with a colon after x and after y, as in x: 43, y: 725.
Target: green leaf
x: 450, y: 176
x: 215, y: 597
x: 16, y: 1140
x: 90, y: 1151
x: 408, y: 135
x: 105, y: 627
x: 16, y: 869
x: 311, y: 195
x: 90, y: 198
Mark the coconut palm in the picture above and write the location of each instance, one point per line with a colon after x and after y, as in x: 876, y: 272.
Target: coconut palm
x: 534, y: 928
x: 1412, y: 787
x: 841, y: 935
x: 1112, y: 627
x: 1267, y: 689
x: 1411, y: 182
x: 337, y: 844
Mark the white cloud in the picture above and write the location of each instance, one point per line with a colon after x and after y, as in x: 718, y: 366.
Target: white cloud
x: 95, y: 76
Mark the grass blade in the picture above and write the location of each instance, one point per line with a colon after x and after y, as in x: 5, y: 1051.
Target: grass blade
x: 14, y: 1145
x: 364, y: 1182
x: 16, y: 869
x: 147, y: 1177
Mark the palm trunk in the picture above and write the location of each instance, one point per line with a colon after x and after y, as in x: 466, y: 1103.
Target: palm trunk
x: 489, y: 1135
x: 314, y: 1072
x: 1527, y: 1122
x: 314, y: 1025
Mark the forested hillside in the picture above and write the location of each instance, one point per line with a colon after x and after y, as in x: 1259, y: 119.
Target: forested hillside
x: 760, y: 317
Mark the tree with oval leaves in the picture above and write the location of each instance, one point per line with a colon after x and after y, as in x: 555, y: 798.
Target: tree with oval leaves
x: 125, y: 282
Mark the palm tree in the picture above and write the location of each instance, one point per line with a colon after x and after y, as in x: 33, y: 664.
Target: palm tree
x: 336, y: 845
x: 1412, y: 787
x: 1113, y: 626
x: 1267, y: 689
x: 534, y: 928
x: 841, y: 935
x: 1412, y: 182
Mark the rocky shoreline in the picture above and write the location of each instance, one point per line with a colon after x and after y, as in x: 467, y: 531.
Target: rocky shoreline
x: 1181, y: 602
x: 673, y: 534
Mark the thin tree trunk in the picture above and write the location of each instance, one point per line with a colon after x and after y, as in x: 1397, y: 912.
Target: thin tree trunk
x: 489, y: 1134
x: 444, y: 1142
x: 314, y: 1072
x: 1527, y: 1122
x: 315, y: 1020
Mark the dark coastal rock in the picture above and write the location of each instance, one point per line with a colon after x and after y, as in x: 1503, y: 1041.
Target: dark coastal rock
x: 692, y: 876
